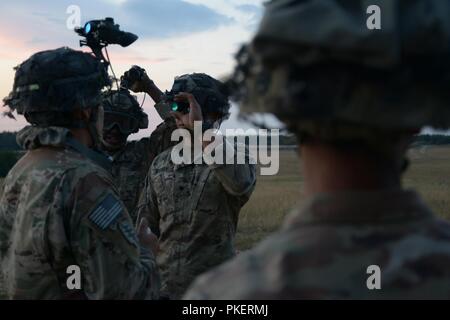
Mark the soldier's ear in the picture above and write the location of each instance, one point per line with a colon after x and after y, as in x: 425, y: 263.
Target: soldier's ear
x: 83, y: 115
x: 87, y: 114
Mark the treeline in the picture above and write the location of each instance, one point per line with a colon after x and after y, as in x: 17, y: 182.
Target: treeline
x: 253, y: 140
x: 8, y: 141
x: 7, y: 160
x: 419, y: 140
x: 9, y: 150
x: 431, y: 139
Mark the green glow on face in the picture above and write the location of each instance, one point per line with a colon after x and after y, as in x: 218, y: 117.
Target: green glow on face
x: 174, y: 106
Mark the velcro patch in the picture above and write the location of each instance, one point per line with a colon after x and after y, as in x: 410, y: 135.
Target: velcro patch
x: 129, y: 233
x: 107, y: 212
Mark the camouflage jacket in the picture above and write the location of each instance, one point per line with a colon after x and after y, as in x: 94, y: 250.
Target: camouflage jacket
x: 59, y: 209
x: 131, y: 164
x: 324, y: 252
x: 194, y: 209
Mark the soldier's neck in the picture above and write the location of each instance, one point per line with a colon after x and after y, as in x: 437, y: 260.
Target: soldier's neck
x: 83, y: 136
x: 328, y: 171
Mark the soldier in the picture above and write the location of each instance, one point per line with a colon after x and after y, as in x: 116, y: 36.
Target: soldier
x: 354, y: 97
x: 60, y: 214
x: 194, y: 208
x: 131, y: 160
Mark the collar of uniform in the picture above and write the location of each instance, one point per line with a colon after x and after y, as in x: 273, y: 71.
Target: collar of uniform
x: 358, y: 207
x: 98, y: 156
x: 116, y: 154
x: 32, y: 137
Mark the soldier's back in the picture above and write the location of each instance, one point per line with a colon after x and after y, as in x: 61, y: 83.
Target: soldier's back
x: 324, y: 252
x: 129, y: 169
x: 34, y: 246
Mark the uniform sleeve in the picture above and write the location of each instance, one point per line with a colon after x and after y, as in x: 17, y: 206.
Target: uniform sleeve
x: 148, y: 207
x: 161, y: 137
x: 105, y: 246
x: 237, y: 179
x: 160, y: 140
x: 163, y: 110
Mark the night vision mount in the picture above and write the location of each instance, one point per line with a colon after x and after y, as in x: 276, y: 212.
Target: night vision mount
x: 99, y: 34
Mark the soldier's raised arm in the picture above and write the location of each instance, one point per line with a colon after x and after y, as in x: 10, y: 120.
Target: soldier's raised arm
x: 238, y: 179
x: 137, y: 80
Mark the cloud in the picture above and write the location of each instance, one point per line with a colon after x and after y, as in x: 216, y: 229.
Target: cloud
x: 247, y: 13
x: 159, y: 19
x: 250, y: 8
x: 255, y: 13
x: 30, y: 26
x: 146, y: 18
x: 176, y: 36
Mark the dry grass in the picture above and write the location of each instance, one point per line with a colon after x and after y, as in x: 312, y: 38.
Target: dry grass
x: 430, y: 175
x: 273, y: 198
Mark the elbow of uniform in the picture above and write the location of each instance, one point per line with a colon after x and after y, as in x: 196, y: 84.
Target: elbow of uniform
x: 243, y: 187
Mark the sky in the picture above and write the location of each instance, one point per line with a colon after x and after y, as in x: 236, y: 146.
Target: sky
x: 175, y: 37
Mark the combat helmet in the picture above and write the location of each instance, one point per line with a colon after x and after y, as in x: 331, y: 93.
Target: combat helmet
x: 51, y: 84
x: 123, y: 110
x: 317, y: 66
x: 211, y: 94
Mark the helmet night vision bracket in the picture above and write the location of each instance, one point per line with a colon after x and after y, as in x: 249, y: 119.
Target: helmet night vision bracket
x: 98, y: 34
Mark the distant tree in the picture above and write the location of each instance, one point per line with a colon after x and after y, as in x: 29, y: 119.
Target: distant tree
x: 8, y: 141
x: 428, y: 139
x: 7, y: 160
x: 288, y: 140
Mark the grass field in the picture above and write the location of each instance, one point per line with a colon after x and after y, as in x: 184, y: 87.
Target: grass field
x: 429, y: 173
x: 275, y: 196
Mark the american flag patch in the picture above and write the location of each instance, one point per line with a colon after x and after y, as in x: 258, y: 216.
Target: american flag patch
x: 106, y: 212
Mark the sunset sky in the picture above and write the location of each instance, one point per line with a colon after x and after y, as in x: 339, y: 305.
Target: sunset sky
x: 175, y: 37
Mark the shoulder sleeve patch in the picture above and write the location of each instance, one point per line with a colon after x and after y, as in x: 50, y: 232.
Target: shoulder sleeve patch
x: 129, y: 233
x: 107, y: 212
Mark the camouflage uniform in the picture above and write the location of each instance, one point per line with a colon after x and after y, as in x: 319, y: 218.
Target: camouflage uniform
x: 52, y: 183
x: 130, y: 164
x: 323, y: 251
x: 59, y: 207
x: 194, y: 209
x: 317, y: 67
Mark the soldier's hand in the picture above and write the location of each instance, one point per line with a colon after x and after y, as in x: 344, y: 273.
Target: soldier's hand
x: 195, y: 111
x: 142, y: 85
x: 146, y: 237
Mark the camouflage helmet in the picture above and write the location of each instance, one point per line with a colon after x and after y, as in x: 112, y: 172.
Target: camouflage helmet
x: 122, y: 109
x: 317, y: 66
x: 211, y: 94
x: 51, y: 84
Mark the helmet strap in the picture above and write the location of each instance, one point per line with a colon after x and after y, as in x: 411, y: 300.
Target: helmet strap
x: 96, y: 139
